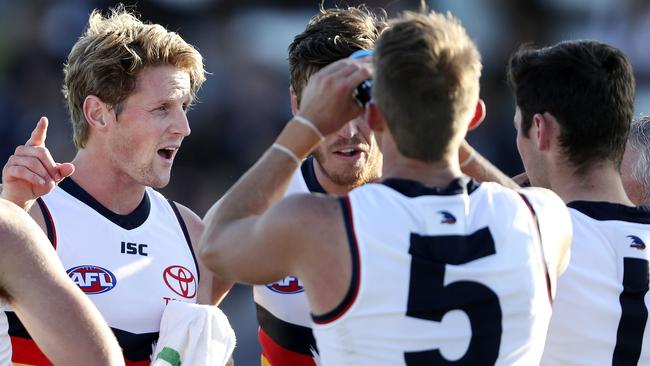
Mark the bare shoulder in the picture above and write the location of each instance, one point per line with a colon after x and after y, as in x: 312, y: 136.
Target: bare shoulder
x: 35, y: 212
x: 188, y: 215
x: 7, y: 207
x: 14, y: 222
x: 321, y: 250
x: 9, y: 216
x: 301, y: 224
x: 21, y: 240
x: 307, y: 214
x: 313, y: 223
x: 193, y: 222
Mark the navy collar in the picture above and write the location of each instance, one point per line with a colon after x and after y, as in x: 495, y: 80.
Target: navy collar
x: 411, y: 188
x: 127, y: 222
x: 604, y: 211
x: 309, y: 175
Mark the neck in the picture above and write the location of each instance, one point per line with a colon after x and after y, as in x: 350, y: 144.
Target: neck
x: 115, y: 191
x: 599, y: 183
x: 437, y: 174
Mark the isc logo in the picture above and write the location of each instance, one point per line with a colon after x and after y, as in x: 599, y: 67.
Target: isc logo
x: 92, y: 279
x: 133, y: 248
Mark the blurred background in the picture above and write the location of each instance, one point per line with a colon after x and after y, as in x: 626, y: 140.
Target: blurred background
x: 245, y: 100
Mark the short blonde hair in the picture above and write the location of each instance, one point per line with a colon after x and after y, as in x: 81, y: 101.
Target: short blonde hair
x: 107, y: 58
x: 426, y: 82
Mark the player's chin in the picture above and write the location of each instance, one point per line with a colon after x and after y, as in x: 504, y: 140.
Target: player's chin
x: 160, y: 181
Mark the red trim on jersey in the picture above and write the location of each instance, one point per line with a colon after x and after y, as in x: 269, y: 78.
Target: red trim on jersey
x: 356, y: 269
x: 48, y: 216
x: 539, y: 232
x: 277, y: 355
x: 137, y: 363
x: 26, y: 351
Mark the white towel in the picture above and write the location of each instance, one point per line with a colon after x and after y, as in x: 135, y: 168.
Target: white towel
x: 193, y: 335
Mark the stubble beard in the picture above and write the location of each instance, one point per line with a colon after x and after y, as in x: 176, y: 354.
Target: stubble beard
x: 158, y: 181
x: 368, y: 171
x: 148, y: 176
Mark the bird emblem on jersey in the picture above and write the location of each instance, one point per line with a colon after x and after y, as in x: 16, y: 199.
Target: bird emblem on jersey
x: 636, y: 242
x: 447, y: 217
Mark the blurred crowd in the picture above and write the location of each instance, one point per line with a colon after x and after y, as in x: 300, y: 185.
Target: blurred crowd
x: 245, y: 101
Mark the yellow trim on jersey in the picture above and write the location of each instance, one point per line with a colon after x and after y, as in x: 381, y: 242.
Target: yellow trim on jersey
x: 265, y: 362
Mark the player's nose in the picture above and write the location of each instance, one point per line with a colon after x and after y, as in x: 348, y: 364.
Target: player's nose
x: 181, y: 125
x: 348, y: 130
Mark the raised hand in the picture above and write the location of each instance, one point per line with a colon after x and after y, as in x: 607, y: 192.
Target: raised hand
x: 327, y: 99
x: 31, y: 172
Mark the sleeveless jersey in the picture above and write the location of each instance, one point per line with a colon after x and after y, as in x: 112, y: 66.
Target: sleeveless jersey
x: 601, y: 313
x: 282, y: 308
x: 130, y: 266
x: 5, y: 341
x: 453, y: 276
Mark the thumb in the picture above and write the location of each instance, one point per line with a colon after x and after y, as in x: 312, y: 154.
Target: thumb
x: 65, y: 169
x: 38, y: 135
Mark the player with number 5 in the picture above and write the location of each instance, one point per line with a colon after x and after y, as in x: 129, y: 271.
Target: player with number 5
x: 425, y: 268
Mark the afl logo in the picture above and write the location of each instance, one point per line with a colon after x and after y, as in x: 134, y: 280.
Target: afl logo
x: 287, y: 285
x: 92, y: 279
x: 180, y: 280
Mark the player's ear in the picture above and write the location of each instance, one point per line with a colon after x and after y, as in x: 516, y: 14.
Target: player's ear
x: 546, y: 127
x: 479, y: 115
x: 375, y: 117
x: 96, y: 112
x: 294, y: 101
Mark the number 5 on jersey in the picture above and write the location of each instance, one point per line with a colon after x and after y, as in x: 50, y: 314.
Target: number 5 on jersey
x: 430, y: 299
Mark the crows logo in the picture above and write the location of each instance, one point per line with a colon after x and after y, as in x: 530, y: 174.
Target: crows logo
x: 636, y: 242
x: 447, y: 217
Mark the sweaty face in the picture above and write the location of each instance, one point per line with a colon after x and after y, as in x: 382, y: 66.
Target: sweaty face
x: 151, y: 126
x: 350, y: 157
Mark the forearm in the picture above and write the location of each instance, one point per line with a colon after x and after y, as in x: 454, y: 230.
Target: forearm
x: 220, y: 288
x: 68, y: 310
x: 481, y: 169
x: 212, y: 289
x: 263, y: 184
x: 237, y: 224
x: 46, y: 301
x: 247, y: 197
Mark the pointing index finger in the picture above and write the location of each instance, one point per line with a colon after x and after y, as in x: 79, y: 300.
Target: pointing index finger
x: 38, y: 135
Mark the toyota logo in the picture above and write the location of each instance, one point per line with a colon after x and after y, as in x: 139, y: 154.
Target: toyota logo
x: 180, y: 280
